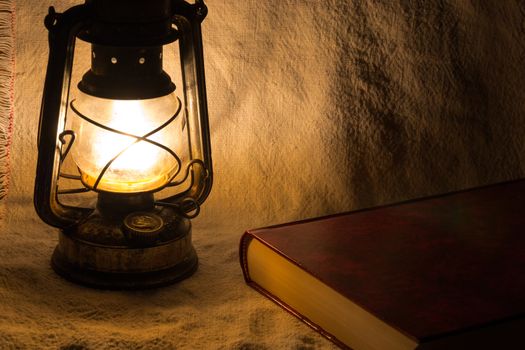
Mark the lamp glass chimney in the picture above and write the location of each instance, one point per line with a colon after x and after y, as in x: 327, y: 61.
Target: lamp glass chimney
x: 126, y: 155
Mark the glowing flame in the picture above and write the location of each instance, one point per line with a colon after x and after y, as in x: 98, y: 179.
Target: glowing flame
x: 141, y: 156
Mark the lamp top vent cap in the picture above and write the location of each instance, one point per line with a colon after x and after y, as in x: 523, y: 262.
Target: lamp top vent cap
x: 131, y: 11
x: 130, y: 23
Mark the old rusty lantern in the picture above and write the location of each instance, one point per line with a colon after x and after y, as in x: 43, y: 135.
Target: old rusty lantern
x: 137, y: 146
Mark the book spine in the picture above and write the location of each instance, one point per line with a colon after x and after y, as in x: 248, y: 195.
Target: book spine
x: 243, y: 250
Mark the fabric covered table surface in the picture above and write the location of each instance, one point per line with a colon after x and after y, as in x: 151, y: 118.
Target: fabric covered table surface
x: 316, y: 107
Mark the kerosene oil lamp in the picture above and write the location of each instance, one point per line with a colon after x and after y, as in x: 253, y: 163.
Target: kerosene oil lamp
x: 140, y: 148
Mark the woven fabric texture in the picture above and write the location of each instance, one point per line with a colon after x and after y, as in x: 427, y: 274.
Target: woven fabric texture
x: 316, y: 107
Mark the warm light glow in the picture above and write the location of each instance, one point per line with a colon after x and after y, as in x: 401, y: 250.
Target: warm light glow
x: 139, y: 165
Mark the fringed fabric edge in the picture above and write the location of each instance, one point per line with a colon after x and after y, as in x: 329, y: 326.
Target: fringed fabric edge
x: 7, y: 71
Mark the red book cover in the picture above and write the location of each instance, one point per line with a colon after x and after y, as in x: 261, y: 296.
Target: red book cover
x: 430, y: 268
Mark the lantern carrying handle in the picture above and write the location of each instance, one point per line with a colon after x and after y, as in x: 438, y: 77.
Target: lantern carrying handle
x: 188, y: 17
x: 62, y: 31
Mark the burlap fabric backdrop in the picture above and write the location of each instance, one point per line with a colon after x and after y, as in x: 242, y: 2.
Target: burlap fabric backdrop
x: 316, y: 107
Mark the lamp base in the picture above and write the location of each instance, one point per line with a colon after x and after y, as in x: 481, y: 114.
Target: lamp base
x: 144, y: 250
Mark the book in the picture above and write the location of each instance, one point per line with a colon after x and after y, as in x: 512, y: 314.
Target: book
x: 445, y: 272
